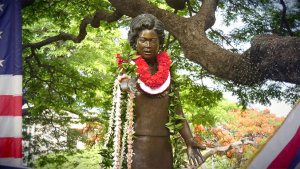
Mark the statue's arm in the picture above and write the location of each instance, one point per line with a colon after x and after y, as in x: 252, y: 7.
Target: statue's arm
x: 193, y: 148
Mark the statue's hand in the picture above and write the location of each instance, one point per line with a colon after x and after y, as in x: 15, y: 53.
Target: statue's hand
x: 193, y: 151
x: 131, y: 83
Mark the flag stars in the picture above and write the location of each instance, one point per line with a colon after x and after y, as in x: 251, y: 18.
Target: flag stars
x: 1, y: 62
x: 0, y: 34
x: 1, y: 5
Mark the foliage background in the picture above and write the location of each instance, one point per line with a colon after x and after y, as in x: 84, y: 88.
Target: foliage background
x: 66, y: 83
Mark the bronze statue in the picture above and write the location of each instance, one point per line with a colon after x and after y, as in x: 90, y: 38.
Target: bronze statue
x: 152, y: 147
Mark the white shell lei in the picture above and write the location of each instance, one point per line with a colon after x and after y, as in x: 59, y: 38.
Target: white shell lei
x: 157, y: 90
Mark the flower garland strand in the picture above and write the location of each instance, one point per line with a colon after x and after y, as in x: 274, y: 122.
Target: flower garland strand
x: 160, y: 76
x: 124, y: 137
x: 115, y: 124
x: 112, y: 114
x: 130, y: 130
x: 117, y: 131
x: 156, y: 80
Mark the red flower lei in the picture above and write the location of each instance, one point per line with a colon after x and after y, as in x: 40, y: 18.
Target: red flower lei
x: 160, y: 76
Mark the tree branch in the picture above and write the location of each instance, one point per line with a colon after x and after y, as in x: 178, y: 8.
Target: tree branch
x: 191, y: 10
x: 94, y: 21
x: 218, y: 33
x: 226, y: 148
x: 169, y: 42
x: 283, y: 20
x: 33, y: 54
x: 206, y: 14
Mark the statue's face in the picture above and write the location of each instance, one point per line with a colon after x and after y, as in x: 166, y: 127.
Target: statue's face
x: 147, y: 44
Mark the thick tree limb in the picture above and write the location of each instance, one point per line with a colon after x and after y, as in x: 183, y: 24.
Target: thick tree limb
x: 94, y: 21
x: 206, y: 14
x: 176, y: 4
x: 249, y: 68
x: 270, y: 57
x: 132, y: 8
x: 276, y: 57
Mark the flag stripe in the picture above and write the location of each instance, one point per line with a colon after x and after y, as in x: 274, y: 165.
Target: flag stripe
x: 10, y: 162
x: 11, y: 147
x: 10, y: 105
x: 12, y: 126
x: 295, y: 161
x: 287, y: 154
x: 11, y: 85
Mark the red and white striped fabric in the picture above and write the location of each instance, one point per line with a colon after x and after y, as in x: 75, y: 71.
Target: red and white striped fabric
x: 283, y: 149
x: 11, y: 119
x: 10, y: 83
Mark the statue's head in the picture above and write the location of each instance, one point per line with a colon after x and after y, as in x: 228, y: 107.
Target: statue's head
x: 145, y: 22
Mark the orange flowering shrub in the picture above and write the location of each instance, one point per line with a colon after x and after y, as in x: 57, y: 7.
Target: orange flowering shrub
x: 254, y: 125
x: 97, y: 131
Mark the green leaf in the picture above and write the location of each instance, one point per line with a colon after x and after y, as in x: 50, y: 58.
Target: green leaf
x: 178, y: 117
x: 125, y: 65
x: 171, y: 94
x: 124, y: 57
x: 127, y: 47
x: 134, y: 57
x: 178, y: 126
x: 131, y: 68
x: 133, y: 52
x: 170, y: 125
x: 169, y: 53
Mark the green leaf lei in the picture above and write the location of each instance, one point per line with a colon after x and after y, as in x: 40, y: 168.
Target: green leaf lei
x: 173, y: 125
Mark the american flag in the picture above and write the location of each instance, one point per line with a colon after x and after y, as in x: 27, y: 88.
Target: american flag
x: 283, y: 149
x: 10, y: 83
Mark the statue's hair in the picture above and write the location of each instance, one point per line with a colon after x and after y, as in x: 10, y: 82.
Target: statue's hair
x: 143, y: 22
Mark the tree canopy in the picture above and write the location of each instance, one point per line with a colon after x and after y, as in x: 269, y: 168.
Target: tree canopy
x: 69, y: 64
x: 271, y: 27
